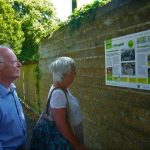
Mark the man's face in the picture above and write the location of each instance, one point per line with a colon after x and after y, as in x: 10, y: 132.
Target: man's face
x: 10, y: 66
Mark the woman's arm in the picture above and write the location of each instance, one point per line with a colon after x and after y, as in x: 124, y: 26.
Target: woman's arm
x: 60, y: 116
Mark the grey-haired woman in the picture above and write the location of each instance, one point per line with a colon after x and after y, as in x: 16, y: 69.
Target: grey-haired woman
x: 63, y: 70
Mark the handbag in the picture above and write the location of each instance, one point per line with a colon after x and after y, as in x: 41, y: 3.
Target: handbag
x: 45, y: 135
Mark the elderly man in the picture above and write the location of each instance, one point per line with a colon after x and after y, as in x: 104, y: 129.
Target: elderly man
x: 12, y: 121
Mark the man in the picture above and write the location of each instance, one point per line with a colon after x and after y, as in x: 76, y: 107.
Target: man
x: 12, y: 121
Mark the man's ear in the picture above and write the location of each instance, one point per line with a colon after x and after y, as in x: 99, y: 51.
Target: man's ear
x: 1, y: 66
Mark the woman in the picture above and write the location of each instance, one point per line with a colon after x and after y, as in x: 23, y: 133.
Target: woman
x: 63, y: 71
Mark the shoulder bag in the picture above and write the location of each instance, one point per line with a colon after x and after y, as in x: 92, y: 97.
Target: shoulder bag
x: 45, y: 135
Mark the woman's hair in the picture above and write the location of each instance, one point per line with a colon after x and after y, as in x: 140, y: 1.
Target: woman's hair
x: 60, y: 67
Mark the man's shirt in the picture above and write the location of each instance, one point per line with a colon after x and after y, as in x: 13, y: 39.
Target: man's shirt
x: 12, y: 121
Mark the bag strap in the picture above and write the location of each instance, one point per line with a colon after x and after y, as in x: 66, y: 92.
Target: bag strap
x: 48, y: 101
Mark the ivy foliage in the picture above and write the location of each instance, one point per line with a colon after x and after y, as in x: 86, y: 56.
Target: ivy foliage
x: 85, y: 14
x: 38, y: 20
x: 11, y: 33
x: 24, y: 23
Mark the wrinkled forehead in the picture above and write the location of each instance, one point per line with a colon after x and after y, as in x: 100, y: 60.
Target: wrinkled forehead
x: 7, y: 54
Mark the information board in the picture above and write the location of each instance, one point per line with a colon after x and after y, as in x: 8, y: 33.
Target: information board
x: 127, y: 61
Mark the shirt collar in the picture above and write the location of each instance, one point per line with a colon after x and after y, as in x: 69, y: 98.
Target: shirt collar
x: 4, y: 91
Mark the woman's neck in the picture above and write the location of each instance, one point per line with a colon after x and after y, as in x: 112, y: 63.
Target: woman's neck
x: 59, y: 85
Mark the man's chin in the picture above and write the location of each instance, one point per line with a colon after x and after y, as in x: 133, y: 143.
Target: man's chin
x: 16, y: 77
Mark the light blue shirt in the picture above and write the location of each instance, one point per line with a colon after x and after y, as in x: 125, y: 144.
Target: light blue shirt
x: 12, y: 120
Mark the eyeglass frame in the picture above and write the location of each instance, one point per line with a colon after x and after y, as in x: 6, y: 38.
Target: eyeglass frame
x: 13, y: 61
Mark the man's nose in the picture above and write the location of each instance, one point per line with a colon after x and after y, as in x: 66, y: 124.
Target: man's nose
x: 19, y: 64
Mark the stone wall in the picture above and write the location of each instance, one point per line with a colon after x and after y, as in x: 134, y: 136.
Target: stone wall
x: 115, y: 118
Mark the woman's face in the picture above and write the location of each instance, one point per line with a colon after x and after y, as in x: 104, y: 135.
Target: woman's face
x: 68, y: 78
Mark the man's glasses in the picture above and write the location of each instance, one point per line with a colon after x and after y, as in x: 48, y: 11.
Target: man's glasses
x: 13, y: 61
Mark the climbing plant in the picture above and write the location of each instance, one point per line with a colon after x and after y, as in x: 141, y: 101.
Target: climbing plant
x: 84, y: 14
x: 37, y: 76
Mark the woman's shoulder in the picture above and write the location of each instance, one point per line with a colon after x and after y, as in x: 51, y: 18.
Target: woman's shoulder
x: 58, y: 92
x: 58, y: 99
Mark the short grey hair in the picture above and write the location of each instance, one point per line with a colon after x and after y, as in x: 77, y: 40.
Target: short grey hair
x: 1, y: 56
x: 60, y: 67
x: 1, y: 60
